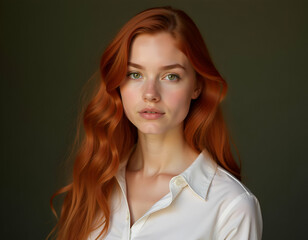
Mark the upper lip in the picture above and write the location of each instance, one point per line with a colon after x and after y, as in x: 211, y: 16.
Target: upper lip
x: 155, y: 110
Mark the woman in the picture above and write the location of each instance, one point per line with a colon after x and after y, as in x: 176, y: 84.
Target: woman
x: 155, y: 162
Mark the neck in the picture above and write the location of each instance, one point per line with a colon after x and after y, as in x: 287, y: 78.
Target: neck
x: 162, y: 154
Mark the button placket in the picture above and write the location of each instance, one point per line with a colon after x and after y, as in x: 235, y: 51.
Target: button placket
x: 136, y: 228
x: 127, y: 216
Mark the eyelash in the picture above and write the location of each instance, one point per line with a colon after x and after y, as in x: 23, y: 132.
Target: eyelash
x: 172, y: 74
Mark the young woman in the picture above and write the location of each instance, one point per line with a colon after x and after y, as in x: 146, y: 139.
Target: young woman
x: 155, y: 162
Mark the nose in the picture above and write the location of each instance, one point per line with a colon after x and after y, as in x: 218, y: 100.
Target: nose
x: 151, y: 92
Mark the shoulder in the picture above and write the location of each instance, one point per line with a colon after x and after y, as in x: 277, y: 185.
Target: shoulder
x: 239, y: 209
x: 228, y: 185
x: 230, y: 193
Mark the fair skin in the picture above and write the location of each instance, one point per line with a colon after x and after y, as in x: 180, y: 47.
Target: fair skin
x: 156, y: 96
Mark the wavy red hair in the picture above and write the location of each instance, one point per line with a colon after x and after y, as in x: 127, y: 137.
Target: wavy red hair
x: 109, y: 135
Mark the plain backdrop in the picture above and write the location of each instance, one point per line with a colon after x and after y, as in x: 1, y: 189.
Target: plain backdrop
x: 49, y: 49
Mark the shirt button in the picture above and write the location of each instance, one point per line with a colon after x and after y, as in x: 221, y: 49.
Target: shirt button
x: 180, y: 182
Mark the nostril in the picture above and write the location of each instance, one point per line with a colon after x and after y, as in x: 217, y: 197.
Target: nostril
x: 151, y: 97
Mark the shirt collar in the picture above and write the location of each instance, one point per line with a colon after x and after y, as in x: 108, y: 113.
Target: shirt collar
x: 198, y: 176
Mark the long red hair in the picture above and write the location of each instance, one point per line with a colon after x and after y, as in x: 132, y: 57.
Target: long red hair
x: 109, y: 135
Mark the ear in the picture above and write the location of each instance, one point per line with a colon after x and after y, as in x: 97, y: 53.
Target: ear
x: 197, y: 90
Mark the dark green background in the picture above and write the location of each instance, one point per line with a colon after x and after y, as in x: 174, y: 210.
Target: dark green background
x: 50, y: 48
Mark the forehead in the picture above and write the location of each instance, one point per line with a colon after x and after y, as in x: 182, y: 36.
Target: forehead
x: 159, y: 48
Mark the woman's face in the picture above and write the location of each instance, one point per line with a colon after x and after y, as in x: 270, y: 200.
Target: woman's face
x: 159, y: 86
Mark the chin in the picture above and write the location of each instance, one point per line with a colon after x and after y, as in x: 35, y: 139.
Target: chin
x: 151, y: 129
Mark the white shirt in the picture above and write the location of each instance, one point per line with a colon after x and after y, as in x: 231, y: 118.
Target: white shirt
x: 204, y: 202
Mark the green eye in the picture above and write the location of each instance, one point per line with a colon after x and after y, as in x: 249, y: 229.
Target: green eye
x: 172, y: 77
x: 134, y: 75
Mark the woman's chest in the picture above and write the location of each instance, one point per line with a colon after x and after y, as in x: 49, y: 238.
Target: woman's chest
x: 143, y: 193
x: 184, y: 217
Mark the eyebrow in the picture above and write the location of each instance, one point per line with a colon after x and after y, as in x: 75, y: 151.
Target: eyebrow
x: 162, y: 68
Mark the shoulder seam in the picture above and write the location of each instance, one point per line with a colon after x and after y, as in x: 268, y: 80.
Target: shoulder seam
x: 236, y: 180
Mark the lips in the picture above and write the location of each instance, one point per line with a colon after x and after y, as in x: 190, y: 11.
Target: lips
x: 151, y: 113
x: 150, y: 110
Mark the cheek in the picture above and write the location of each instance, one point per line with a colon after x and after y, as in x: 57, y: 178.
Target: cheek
x: 180, y: 101
x: 128, y: 98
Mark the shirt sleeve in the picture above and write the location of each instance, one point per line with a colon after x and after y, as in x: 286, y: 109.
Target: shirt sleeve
x: 241, y: 220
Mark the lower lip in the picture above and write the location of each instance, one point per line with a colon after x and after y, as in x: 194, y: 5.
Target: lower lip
x: 151, y: 116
